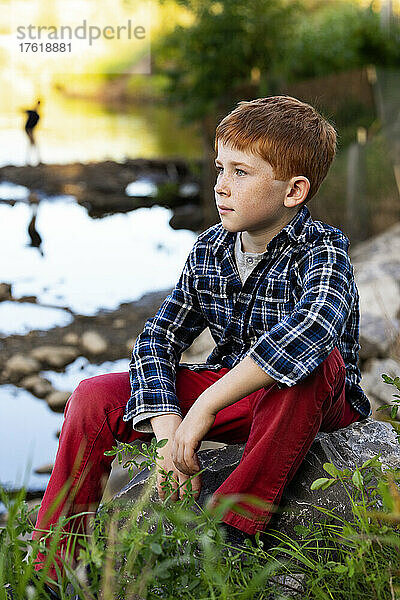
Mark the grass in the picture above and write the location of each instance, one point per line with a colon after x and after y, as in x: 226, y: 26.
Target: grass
x: 169, y: 550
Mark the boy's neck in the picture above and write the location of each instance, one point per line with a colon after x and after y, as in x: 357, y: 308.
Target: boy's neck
x: 258, y: 241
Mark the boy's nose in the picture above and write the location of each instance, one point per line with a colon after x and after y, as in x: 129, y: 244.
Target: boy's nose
x: 221, y: 188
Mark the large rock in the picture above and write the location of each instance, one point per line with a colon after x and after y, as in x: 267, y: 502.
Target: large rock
x: 347, y: 447
x: 377, y: 272
x: 55, y: 356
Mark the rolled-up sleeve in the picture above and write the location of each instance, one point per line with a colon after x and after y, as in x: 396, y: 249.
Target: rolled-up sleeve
x: 157, y: 352
x: 296, y: 345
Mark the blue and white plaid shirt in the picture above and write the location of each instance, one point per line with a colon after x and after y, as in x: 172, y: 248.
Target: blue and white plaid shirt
x: 298, y: 303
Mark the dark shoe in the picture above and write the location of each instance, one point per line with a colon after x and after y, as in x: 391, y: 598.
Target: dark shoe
x: 235, y: 542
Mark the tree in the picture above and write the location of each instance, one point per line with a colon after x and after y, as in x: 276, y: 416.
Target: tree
x: 340, y: 37
x: 233, y: 50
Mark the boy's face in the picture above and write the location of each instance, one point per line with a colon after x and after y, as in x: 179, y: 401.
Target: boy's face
x: 246, y: 185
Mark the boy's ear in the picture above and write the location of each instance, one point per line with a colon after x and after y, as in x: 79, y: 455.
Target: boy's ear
x: 297, y: 191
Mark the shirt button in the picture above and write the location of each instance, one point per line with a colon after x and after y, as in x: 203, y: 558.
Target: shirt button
x: 249, y: 260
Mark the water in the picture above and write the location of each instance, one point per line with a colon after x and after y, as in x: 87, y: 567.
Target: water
x: 81, y: 369
x: 87, y: 264
x: 20, y: 318
x: 28, y: 440
x: 78, y: 130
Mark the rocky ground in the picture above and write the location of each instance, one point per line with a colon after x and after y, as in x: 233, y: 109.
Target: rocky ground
x: 100, y: 187
x: 107, y: 336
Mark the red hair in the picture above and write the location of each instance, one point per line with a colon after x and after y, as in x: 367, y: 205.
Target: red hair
x: 289, y: 134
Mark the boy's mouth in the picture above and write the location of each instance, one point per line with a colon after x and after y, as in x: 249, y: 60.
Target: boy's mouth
x: 223, y: 209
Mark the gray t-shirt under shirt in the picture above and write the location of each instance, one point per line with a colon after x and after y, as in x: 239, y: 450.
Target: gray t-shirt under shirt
x: 246, y: 261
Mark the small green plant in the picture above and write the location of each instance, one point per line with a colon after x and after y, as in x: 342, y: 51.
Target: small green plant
x: 393, y: 408
x: 151, y: 550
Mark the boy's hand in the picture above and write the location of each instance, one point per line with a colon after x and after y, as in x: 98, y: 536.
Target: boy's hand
x: 164, y: 427
x: 192, y: 430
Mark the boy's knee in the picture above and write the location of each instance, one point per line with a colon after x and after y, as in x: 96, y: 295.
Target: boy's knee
x: 86, y: 398
x: 100, y: 394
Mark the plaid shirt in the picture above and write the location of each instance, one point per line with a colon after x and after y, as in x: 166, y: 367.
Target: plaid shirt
x: 298, y: 303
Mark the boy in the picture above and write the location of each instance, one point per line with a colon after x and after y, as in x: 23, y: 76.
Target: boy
x: 277, y: 291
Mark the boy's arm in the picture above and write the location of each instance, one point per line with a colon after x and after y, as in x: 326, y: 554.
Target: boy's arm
x: 288, y: 352
x: 157, y: 352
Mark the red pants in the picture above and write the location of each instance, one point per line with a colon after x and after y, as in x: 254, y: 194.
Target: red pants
x: 277, y: 425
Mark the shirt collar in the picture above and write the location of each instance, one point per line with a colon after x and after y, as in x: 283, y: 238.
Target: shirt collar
x: 294, y: 232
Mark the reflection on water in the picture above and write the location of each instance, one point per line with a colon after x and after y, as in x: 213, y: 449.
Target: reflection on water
x: 22, y: 317
x: 36, y: 240
x: 29, y: 440
x: 81, y: 369
x: 12, y: 191
x: 89, y: 264
x: 141, y: 187
x: 76, y: 130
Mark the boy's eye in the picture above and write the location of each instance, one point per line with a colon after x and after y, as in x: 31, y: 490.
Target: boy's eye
x: 239, y: 172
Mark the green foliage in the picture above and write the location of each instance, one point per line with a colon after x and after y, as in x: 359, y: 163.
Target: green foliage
x: 340, y: 36
x: 209, y: 64
x: 241, y: 49
x: 142, y: 457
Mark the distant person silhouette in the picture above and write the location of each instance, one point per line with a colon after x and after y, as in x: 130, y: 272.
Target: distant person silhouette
x: 36, y: 240
x: 31, y: 123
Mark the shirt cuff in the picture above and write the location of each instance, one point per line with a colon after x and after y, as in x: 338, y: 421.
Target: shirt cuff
x: 142, y: 423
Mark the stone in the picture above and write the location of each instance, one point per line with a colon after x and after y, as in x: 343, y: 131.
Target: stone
x: 44, y: 469
x: 71, y: 339
x: 130, y: 344
x: 5, y: 291
x: 119, y: 323
x: 93, y: 343
x: 19, y: 365
x: 39, y: 386
x: 346, y: 448
x: 57, y: 400
x: 377, y: 336
x: 55, y: 356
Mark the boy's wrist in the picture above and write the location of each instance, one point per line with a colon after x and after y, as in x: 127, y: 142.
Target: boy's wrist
x: 165, y: 425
